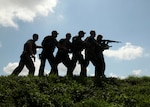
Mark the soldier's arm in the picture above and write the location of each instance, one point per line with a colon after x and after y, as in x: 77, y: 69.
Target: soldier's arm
x: 38, y: 46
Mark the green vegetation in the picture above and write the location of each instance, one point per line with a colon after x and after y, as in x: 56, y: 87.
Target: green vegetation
x: 53, y: 91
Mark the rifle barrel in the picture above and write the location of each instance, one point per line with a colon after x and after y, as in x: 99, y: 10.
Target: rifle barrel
x: 111, y: 41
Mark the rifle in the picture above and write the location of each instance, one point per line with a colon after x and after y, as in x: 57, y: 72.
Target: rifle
x: 104, y: 43
x: 109, y: 41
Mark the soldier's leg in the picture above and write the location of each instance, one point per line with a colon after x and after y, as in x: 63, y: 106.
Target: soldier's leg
x: 103, y: 66
x: 101, y: 63
x: 67, y: 62
x: 30, y: 66
x: 83, y: 70
x: 83, y: 64
x: 42, y: 66
x: 53, y: 63
x: 18, y: 69
x: 73, y: 63
x: 98, y: 67
x: 98, y: 70
x: 54, y: 69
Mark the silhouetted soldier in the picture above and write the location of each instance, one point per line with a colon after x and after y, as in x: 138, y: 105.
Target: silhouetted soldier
x: 100, y: 55
x: 49, y: 43
x: 77, y: 47
x: 104, y: 44
x: 28, y: 53
x: 62, y: 54
x: 90, y: 53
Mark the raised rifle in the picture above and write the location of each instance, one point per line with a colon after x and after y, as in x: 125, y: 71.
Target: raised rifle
x: 105, y: 43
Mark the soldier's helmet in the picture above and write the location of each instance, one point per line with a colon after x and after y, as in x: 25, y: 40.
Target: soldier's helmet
x: 54, y: 32
x: 81, y: 32
x: 92, y: 32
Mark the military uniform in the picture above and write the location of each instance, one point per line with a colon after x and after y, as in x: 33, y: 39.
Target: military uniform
x: 99, y: 50
x: 25, y: 58
x: 77, y: 47
x: 49, y: 43
x: 92, y: 55
x: 62, y: 55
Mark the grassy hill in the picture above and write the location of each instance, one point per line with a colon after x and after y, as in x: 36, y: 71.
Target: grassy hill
x: 53, y: 91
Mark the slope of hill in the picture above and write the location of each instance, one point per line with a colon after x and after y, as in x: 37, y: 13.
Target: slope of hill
x: 53, y: 91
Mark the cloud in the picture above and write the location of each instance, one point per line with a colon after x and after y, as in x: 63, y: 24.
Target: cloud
x: 62, y: 69
x: 24, y: 10
x: 137, y: 72
x: 127, y: 52
x: 10, y: 67
x: 115, y: 76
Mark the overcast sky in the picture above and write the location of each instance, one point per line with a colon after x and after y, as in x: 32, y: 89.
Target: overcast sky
x: 123, y: 20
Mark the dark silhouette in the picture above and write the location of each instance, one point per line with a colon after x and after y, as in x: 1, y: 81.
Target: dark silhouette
x: 77, y: 46
x: 28, y: 53
x: 99, y: 52
x: 105, y: 43
x: 62, y: 54
x: 49, y: 43
x: 91, y: 53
